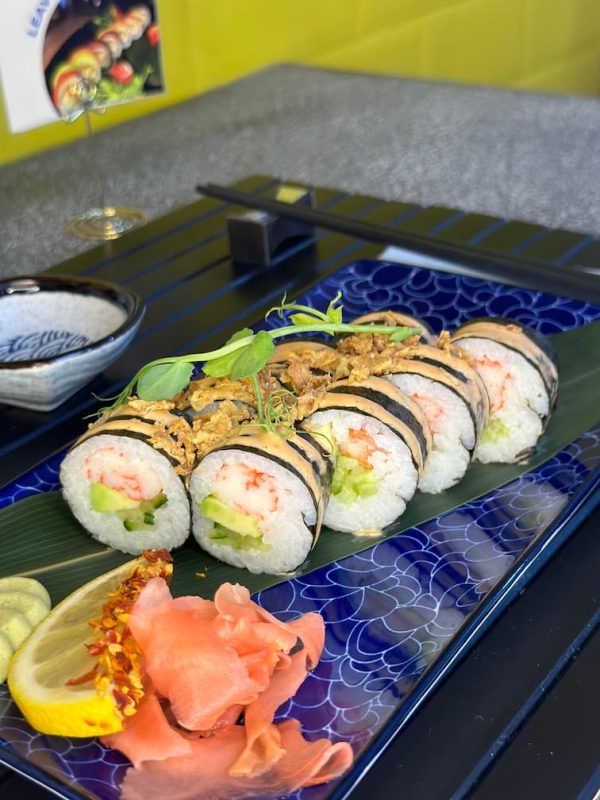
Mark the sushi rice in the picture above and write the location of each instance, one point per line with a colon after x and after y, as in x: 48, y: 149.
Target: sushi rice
x: 137, y: 471
x: 519, y: 370
x: 455, y: 402
x: 387, y: 485
x: 258, y: 501
x: 380, y: 440
x: 452, y: 428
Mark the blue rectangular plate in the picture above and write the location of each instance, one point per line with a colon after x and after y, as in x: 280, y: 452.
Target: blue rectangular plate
x: 400, y: 613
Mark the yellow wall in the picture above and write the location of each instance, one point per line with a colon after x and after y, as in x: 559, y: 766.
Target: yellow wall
x: 543, y: 45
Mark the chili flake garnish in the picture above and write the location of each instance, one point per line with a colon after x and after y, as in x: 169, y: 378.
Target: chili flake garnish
x: 118, y: 669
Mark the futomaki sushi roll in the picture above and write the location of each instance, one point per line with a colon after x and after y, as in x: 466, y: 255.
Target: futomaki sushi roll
x: 143, y: 13
x: 520, y: 372
x: 454, y: 400
x: 113, y: 41
x: 258, y: 500
x: 124, y: 479
x: 380, y: 440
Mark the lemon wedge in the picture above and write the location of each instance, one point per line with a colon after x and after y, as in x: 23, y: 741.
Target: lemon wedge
x: 54, y: 653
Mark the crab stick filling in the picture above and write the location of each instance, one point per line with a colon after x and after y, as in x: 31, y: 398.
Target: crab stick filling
x: 133, y: 494
x: 113, y: 469
x: 242, y: 503
x: 432, y: 408
x: 247, y: 490
x: 495, y: 373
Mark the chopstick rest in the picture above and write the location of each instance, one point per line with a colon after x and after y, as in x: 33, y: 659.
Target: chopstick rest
x: 257, y: 237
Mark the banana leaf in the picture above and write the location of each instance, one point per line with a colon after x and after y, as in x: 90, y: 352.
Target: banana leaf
x: 39, y: 537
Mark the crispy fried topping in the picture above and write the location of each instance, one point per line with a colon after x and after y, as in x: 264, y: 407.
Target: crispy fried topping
x: 372, y: 354
x: 202, y: 393
x: 155, y: 418
x: 211, y: 410
x: 218, y: 425
x: 445, y: 343
x: 154, y: 410
x: 306, y: 368
x: 308, y: 403
x: 177, y: 440
x: 371, y: 344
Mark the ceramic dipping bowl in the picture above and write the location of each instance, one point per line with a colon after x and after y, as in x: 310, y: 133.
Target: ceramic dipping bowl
x: 57, y: 332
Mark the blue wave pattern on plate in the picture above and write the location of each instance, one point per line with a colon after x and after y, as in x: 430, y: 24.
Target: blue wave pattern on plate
x: 43, y: 478
x: 40, y: 344
x: 389, y: 612
x: 392, y: 609
x: 443, y: 300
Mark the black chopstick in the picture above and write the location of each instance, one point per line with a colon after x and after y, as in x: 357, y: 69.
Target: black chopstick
x: 573, y: 281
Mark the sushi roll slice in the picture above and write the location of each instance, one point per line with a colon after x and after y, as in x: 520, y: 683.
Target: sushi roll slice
x: 134, y: 25
x: 400, y: 318
x: 143, y: 13
x: 112, y: 40
x: 380, y: 440
x: 124, y: 479
x: 454, y: 400
x: 258, y: 500
x: 102, y: 52
x: 520, y: 372
x: 124, y: 33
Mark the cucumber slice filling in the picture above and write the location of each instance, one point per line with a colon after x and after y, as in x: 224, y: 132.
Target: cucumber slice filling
x: 231, y: 527
x: 229, y: 538
x: 352, y: 481
x: 494, y: 431
x: 137, y: 515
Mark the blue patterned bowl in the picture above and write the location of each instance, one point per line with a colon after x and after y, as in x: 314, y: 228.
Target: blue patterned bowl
x: 57, y: 332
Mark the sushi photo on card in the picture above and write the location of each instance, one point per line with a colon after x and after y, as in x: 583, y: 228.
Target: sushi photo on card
x: 56, y: 54
x: 114, y: 47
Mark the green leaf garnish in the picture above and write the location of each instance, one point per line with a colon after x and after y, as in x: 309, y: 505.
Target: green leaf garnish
x: 253, y: 357
x: 334, y: 313
x: 222, y: 366
x: 163, y: 381
x: 244, y: 355
x: 308, y: 315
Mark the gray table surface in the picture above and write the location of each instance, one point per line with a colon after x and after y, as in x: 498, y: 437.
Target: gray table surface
x: 510, y: 154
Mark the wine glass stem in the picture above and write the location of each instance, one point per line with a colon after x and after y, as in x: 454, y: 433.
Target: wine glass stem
x: 94, y: 158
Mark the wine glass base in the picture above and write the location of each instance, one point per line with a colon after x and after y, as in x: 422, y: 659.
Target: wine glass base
x: 106, y: 223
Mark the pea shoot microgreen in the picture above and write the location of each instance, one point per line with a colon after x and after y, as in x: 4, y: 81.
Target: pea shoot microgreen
x: 307, y: 315
x: 245, y: 354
